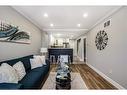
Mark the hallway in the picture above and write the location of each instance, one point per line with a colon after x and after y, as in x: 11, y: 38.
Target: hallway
x: 77, y: 61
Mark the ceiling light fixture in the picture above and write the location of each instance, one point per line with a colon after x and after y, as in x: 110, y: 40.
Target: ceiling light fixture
x: 58, y: 35
x: 51, y: 25
x: 45, y: 15
x: 72, y: 36
x: 78, y: 25
x: 85, y: 15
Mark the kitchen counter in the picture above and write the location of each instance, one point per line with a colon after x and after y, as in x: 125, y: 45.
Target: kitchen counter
x: 61, y: 51
x: 60, y: 48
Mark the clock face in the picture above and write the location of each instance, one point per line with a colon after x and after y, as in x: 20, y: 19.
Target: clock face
x: 101, y: 40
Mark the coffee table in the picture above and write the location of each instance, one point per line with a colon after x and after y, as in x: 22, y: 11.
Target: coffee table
x: 63, y: 78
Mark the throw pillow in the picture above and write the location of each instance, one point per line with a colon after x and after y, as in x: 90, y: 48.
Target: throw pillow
x: 35, y: 62
x: 8, y: 74
x: 41, y: 58
x: 19, y: 67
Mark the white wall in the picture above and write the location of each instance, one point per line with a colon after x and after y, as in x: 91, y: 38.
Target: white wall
x: 71, y: 43
x: 45, y: 40
x: 112, y: 61
x: 75, y: 47
x: 13, y: 50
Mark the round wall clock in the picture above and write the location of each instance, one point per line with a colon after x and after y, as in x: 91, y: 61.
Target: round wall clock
x: 101, y: 40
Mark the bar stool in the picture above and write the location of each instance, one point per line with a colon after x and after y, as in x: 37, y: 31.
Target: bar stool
x: 52, y: 59
x: 58, y: 59
x: 69, y: 59
x: 66, y: 59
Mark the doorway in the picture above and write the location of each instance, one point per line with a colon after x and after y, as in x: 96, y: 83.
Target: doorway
x: 78, y: 45
x: 84, y: 42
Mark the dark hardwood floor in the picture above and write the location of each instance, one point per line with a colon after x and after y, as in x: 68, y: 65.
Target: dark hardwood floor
x: 92, y: 79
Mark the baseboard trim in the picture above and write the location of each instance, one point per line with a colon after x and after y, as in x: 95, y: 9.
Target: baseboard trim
x: 107, y: 78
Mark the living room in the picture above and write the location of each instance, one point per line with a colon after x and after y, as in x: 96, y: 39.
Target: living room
x: 63, y: 47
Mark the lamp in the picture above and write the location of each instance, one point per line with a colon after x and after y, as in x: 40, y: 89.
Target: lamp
x: 43, y: 51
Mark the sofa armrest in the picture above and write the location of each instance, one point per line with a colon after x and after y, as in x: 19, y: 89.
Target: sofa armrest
x: 11, y: 86
x: 48, y: 63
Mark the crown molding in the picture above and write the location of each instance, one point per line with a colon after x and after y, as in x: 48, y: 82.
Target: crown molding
x: 28, y: 18
x: 64, y: 29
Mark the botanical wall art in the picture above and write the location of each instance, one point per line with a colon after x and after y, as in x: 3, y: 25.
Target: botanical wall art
x: 101, y: 40
x: 10, y: 33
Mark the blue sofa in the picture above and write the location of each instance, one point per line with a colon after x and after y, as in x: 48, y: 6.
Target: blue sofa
x: 34, y: 78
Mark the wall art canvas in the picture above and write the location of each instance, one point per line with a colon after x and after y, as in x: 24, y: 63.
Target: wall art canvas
x: 11, y: 33
x: 101, y: 40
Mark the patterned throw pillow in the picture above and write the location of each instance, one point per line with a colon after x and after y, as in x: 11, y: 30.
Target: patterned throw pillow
x: 19, y: 67
x: 8, y: 74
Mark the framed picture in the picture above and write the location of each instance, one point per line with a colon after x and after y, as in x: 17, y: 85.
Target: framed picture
x: 10, y: 33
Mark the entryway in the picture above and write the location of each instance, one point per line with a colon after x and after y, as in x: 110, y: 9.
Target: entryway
x: 84, y: 47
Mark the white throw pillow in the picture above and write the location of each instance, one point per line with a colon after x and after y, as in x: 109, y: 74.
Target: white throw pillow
x: 35, y: 62
x: 8, y: 74
x: 41, y: 58
x: 19, y: 67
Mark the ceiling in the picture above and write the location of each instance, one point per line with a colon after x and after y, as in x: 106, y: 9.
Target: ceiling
x: 65, y: 18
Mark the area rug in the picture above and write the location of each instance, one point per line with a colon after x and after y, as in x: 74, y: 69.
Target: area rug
x: 77, y: 82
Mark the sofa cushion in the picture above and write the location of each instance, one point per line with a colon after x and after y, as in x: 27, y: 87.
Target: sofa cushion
x: 10, y: 86
x: 25, y: 60
x: 33, y: 78
x: 40, y: 69
x: 44, y: 68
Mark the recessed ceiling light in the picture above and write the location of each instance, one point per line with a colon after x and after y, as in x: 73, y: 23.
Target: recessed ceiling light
x: 85, y: 15
x: 78, y: 25
x: 72, y: 36
x: 58, y: 35
x: 51, y: 25
x: 45, y: 15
